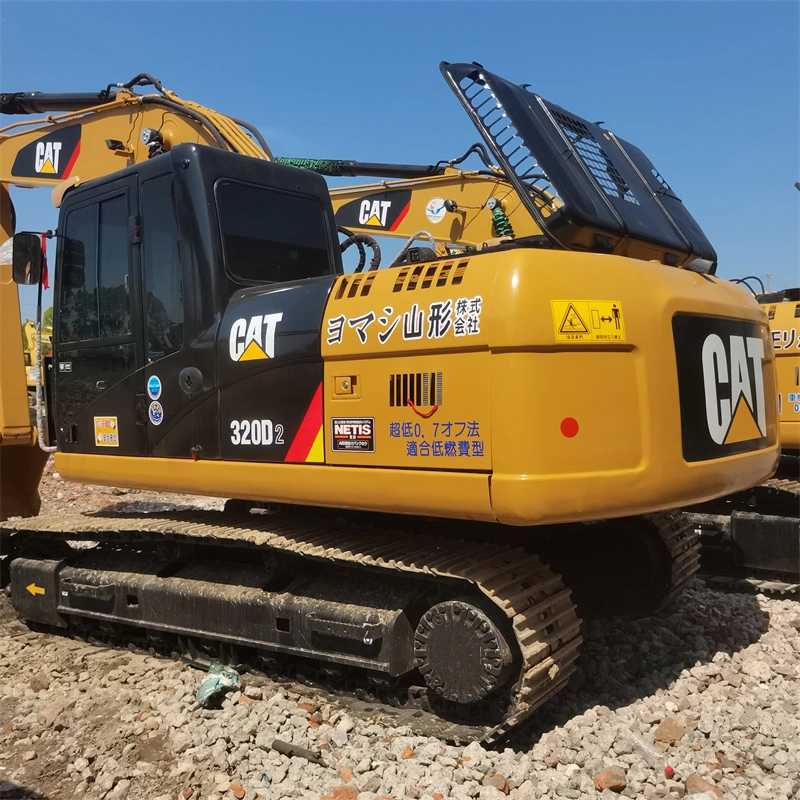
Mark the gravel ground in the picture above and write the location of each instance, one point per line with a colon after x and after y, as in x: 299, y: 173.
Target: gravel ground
x: 713, y: 682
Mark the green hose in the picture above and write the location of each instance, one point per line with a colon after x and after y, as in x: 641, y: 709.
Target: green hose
x: 318, y: 165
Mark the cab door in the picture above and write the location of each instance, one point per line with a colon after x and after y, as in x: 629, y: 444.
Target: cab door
x: 178, y: 381
x: 98, y: 334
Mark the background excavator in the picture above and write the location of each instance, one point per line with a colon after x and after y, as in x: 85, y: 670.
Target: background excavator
x: 30, y: 354
x: 401, y: 444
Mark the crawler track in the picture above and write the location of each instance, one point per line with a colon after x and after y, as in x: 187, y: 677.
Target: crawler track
x: 545, y: 625
x: 784, y: 485
x: 534, y: 600
x: 683, y: 545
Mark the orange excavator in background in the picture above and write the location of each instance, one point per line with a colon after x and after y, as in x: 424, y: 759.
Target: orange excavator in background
x: 552, y: 374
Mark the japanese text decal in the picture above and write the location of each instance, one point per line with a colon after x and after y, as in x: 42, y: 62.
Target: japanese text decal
x: 462, y: 317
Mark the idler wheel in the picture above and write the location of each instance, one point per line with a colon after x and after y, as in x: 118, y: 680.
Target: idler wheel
x: 461, y: 652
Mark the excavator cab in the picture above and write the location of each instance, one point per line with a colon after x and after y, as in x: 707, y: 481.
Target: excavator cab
x: 153, y: 263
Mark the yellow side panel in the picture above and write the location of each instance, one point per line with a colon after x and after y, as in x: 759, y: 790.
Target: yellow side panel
x: 784, y: 323
x: 454, y: 495
x: 567, y: 427
x: 569, y: 413
x: 429, y: 411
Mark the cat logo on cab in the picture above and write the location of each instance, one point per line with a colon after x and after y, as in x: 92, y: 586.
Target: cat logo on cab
x: 254, y: 338
x: 726, y: 405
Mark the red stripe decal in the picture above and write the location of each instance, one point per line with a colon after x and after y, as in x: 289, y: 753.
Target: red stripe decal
x: 75, y: 153
x: 308, y: 430
x: 401, y: 217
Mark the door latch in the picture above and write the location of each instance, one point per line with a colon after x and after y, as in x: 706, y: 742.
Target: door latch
x: 346, y: 386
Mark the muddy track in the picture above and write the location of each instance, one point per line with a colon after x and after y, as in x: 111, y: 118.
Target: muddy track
x: 534, y: 600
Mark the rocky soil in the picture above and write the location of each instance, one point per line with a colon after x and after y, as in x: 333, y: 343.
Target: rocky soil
x: 712, y: 682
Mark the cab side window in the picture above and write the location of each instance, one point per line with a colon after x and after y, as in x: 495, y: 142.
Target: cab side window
x: 162, y: 268
x: 95, y: 298
x: 270, y: 235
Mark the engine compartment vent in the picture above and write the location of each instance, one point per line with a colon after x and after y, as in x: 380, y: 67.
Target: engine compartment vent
x: 359, y: 285
x: 423, y: 276
x: 415, y: 388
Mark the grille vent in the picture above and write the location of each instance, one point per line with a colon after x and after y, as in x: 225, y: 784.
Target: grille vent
x: 421, y: 388
x: 797, y: 311
x: 589, y: 149
x: 354, y: 285
x: 505, y: 138
x: 423, y: 276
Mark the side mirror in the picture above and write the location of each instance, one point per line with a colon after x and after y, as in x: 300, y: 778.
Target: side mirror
x: 27, y: 259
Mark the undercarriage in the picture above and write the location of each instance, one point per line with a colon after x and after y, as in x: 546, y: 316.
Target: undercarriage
x: 480, y: 632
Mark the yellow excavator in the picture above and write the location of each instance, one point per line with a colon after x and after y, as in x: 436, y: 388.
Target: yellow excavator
x: 29, y: 349
x: 783, y: 312
x: 552, y: 373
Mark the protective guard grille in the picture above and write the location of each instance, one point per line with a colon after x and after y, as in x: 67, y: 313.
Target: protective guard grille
x: 572, y: 174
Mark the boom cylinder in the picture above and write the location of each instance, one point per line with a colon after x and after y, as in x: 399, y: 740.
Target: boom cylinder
x: 40, y: 102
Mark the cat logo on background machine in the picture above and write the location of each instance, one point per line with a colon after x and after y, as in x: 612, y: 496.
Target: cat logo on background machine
x: 721, y: 385
x: 50, y: 156
x: 47, y: 154
x: 254, y: 338
x: 380, y: 210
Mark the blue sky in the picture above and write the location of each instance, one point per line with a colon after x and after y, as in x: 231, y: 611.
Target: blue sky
x: 709, y: 90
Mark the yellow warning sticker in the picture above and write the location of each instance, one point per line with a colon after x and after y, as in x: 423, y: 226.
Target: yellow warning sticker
x: 588, y: 320
x: 106, y: 432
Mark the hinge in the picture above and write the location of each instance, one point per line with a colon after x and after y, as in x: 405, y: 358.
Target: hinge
x: 135, y: 229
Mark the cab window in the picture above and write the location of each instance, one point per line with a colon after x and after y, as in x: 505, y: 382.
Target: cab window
x: 95, y: 285
x: 162, y: 268
x: 270, y: 235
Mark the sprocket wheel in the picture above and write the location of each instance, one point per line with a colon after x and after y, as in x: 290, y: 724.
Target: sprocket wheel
x: 461, y: 652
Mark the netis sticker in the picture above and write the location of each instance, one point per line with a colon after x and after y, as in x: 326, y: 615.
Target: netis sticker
x: 353, y: 434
